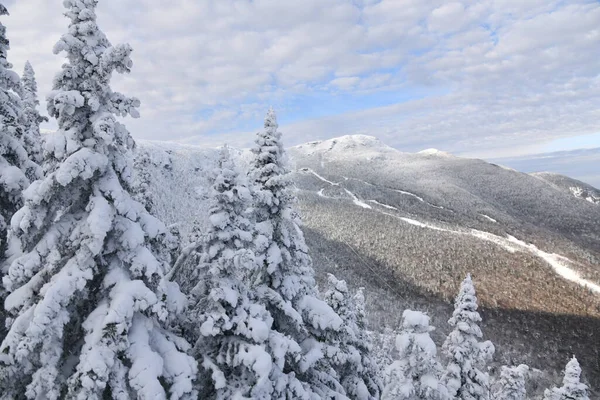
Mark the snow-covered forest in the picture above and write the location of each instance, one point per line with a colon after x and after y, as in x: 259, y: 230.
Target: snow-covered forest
x: 100, y: 299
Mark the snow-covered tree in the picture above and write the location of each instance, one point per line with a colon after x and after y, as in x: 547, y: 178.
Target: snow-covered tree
x: 416, y: 374
x: 511, y: 385
x: 16, y: 170
x: 467, y: 356
x: 229, y: 328
x: 285, y: 279
x: 32, y: 140
x: 90, y: 307
x: 351, y: 346
x: 572, y: 388
x: 384, y: 350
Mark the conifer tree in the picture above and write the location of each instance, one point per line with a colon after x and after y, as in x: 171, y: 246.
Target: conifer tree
x: 416, y: 374
x: 512, y: 383
x: 229, y: 328
x: 467, y: 356
x: 32, y: 140
x: 89, y: 303
x: 572, y: 388
x: 350, y: 349
x: 285, y: 280
x: 16, y: 169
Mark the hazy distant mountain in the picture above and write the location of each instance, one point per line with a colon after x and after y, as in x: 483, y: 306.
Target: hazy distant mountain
x: 577, y: 188
x: 408, y: 227
x: 580, y: 164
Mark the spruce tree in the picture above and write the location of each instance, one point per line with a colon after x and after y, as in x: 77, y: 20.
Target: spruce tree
x: 228, y: 327
x: 285, y: 279
x: 467, y: 356
x: 32, y: 140
x: 416, y: 374
x: 572, y: 388
x: 89, y: 303
x: 16, y: 169
x: 350, y: 348
x: 512, y: 383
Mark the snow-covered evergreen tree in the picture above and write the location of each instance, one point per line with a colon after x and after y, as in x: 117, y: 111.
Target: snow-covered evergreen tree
x: 417, y: 372
x: 511, y: 385
x: 16, y: 170
x: 465, y: 375
x: 351, y: 347
x: 285, y: 280
x: 384, y: 351
x: 229, y: 328
x: 32, y: 140
x: 572, y: 388
x: 89, y: 303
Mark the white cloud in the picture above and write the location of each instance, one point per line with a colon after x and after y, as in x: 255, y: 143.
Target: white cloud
x: 490, y: 75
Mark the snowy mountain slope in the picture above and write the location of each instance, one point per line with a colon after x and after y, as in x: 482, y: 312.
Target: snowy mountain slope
x: 575, y: 187
x: 408, y: 227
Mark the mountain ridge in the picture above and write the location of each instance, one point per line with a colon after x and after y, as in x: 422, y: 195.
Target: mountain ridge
x: 410, y: 226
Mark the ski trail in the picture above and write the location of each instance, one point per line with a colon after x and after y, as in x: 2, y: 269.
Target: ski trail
x: 383, y: 205
x: 422, y: 200
x: 410, y: 194
x: 560, y: 264
x: 320, y: 177
x: 488, y: 218
x: 356, y: 200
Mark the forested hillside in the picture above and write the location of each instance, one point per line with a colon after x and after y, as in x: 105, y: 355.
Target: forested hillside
x: 408, y: 227
x: 341, y: 269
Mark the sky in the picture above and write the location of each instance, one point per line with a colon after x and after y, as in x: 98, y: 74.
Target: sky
x: 478, y: 78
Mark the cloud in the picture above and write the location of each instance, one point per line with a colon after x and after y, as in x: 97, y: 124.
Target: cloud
x: 472, y: 77
x: 578, y: 164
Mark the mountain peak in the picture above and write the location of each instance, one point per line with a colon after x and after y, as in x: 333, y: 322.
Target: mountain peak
x: 358, y: 142
x: 435, y: 152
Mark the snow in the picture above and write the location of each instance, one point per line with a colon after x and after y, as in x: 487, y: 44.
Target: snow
x: 356, y: 200
x: 560, y: 265
x: 410, y: 194
x: 580, y: 193
x: 320, y: 177
x: 422, y: 200
x: 488, y: 218
x: 320, y: 315
x: 383, y: 205
x: 435, y: 152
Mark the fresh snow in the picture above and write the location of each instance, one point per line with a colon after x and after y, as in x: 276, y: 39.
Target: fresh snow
x: 489, y: 218
x: 579, y: 193
x: 435, y: 152
x: 356, y: 200
x: 383, y: 205
x: 410, y: 194
x: 559, y: 264
x: 422, y: 200
x: 320, y: 177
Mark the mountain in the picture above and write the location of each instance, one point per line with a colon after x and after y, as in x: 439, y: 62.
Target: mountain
x: 580, y: 164
x: 409, y: 227
x: 577, y: 188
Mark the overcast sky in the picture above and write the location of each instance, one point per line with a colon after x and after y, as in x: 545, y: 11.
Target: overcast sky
x: 489, y: 78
